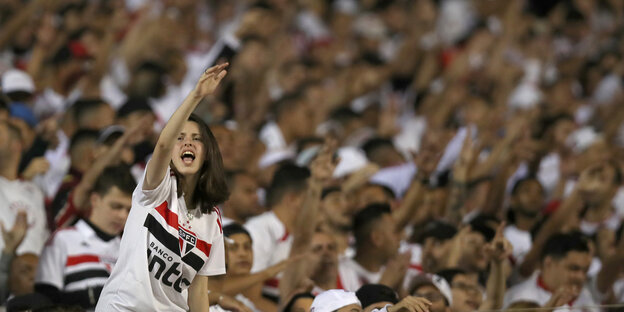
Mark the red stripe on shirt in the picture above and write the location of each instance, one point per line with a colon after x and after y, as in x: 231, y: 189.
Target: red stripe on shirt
x: 74, y: 260
x: 416, y: 266
x: 203, y: 246
x: 273, y: 282
x: 170, y: 217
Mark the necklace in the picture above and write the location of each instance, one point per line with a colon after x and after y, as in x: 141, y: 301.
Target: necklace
x: 189, y: 215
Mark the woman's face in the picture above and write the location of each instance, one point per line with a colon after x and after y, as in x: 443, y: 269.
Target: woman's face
x: 188, y: 153
x: 239, y: 254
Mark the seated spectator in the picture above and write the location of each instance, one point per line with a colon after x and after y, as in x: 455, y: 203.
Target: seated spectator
x: 74, y: 266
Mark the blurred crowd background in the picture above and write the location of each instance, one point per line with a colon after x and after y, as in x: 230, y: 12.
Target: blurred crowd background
x: 461, y: 128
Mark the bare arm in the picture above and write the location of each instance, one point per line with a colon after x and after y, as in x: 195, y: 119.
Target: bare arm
x: 322, y: 169
x: 498, y: 251
x: 233, y: 285
x: 569, y: 207
x: 611, y: 269
x: 82, y: 190
x: 198, y: 294
x: 157, y: 167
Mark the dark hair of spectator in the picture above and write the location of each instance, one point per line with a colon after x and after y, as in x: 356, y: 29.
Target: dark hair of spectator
x: 287, y: 103
x: 134, y: 104
x: 235, y: 228
x: 387, y: 190
x: 329, y: 190
x: 438, y: 230
x: 365, y: 220
x: 486, y: 225
x: 288, y: 178
x: 374, y: 144
x: 211, y: 188
x: 4, y: 106
x: 117, y: 176
x: 374, y: 293
x: 85, y: 106
x: 288, y: 307
x: 449, y: 274
x: 344, y: 114
x: 559, y: 245
x: 82, y: 136
x: 302, y: 144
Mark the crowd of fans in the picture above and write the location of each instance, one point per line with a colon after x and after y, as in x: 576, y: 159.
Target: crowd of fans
x: 398, y: 155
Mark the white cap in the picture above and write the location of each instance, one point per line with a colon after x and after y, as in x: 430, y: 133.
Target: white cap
x: 16, y: 80
x: 273, y: 157
x: 435, y: 280
x: 581, y: 139
x: 351, y: 160
x: 333, y: 299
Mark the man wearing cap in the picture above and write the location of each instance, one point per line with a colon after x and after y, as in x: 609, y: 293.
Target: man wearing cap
x: 435, y: 289
x: 336, y: 300
x: 18, y: 86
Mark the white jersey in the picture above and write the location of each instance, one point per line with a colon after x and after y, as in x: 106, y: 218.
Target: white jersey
x: 25, y: 196
x: 271, y: 244
x: 162, y: 249
x: 534, y: 290
x: 521, y: 242
x: 76, y: 258
x: 353, y: 275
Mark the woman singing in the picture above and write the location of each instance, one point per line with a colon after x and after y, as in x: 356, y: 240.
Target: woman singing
x: 173, y: 239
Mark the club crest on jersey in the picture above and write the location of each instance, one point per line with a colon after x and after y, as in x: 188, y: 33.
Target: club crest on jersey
x: 188, y: 240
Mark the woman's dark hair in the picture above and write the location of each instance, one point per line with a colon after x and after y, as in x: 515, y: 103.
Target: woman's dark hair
x: 211, y: 188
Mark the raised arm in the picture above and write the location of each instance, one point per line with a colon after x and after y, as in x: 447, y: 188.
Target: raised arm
x: 157, y: 167
x: 82, y: 190
x: 322, y: 169
x: 498, y: 251
x: 570, y: 207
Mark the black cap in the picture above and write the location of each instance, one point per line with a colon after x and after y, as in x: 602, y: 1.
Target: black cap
x: 374, y: 293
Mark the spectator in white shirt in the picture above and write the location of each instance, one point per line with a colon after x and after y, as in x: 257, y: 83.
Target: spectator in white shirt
x: 77, y: 261
x: 527, y: 199
x: 376, y: 242
x: 17, y: 195
x: 565, y: 261
x: 293, y: 121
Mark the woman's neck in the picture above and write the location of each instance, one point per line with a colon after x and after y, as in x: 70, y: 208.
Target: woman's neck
x: 190, y: 183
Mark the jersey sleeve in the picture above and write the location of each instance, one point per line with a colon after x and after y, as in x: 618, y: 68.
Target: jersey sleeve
x: 215, y: 265
x: 261, y: 247
x: 52, y: 263
x: 155, y: 197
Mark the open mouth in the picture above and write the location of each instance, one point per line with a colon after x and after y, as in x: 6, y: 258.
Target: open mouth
x: 187, y: 157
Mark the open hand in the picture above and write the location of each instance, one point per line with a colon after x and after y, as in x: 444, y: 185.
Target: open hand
x: 14, y: 237
x: 322, y: 167
x: 411, y: 304
x: 232, y: 304
x: 210, y: 80
x: 39, y: 165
